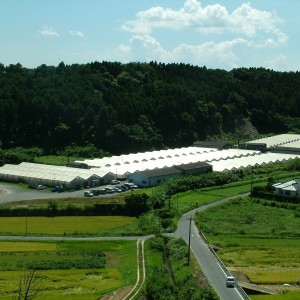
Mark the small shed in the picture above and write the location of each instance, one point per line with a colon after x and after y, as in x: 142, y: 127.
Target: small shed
x: 290, y: 188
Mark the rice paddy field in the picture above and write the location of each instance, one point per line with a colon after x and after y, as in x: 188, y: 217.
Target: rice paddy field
x: 79, y: 225
x: 258, y: 238
x: 68, y: 269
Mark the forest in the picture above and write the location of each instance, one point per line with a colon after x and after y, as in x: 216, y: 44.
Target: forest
x: 121, y: 108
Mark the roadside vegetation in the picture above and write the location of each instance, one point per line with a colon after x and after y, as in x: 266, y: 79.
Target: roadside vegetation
x: 169, y: 276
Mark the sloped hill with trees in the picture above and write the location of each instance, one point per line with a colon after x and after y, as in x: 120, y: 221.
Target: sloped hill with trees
x: 122, y: 108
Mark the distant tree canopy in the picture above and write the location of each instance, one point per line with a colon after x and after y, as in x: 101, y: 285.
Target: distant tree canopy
x: 122, y: 108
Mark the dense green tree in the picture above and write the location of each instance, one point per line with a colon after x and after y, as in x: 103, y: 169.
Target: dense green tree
x: 133, y: 107
x: 136, y: 204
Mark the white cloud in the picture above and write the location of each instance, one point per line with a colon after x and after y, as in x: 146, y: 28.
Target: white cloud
x: 147, y: 48
x: 48, y: 31
x: 77, y: 33
x: 245, y: 31
x: 213, y: 18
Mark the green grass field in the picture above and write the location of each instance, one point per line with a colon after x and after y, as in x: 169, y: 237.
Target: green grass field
x: 93, y: 225
x: 119, y: 269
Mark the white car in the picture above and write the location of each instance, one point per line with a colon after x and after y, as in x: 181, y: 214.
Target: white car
x: 114, y: 181
x: 230, y: 281
x: 88, y: 194
x: 40, y: 187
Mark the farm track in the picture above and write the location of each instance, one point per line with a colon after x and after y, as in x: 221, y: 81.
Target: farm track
x: 141, y: 271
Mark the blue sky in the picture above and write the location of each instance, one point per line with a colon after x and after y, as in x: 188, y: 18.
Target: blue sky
x: 222, y: 34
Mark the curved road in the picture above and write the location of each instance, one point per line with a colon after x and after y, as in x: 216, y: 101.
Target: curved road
x: 206, y: 259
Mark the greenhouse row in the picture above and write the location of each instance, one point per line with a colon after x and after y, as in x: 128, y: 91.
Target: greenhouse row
x: 98, y: 171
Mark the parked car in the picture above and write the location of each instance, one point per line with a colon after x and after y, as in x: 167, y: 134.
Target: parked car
x: 40, y: 187
x: 109, y: 190
x: 58, y: 189
x: 95, y: 192
x: 230, y: 281
x: 117, y: 190
x: 123, y: 188
x: 133, y: 186
x: 102, y: 191
x: 114, y: 181
x: 88, y: 194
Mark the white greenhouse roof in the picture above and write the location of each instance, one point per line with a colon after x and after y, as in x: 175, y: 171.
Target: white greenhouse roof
x: 251, y: 161
x: 277, y: 140
x: 143, y: 157
x: 121, y: 166
x: 185, y: 158
x: 49, y: 172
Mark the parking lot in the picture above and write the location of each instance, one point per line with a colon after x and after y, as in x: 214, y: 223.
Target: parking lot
x: 110, y: 189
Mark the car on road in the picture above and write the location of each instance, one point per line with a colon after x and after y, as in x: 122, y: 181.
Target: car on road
x: 230, y: 281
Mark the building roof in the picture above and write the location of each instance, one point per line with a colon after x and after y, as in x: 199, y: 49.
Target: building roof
x: 211, y: 144
x: 160, y: 172
x: 277, y: 140
x: 292, y: 185
x: 192, y: 166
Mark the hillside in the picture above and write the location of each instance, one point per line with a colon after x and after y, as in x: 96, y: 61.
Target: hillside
x: 122, y: 108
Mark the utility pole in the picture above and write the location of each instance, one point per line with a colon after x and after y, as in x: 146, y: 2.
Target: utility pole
x: 26, y: 221
x: 189, y: 250
x: 169, y: 199
x: 251, y: 182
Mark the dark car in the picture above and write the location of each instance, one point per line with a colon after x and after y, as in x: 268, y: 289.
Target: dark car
x: 123, y: 188
x: 58, y: 189
x: 96, y: 192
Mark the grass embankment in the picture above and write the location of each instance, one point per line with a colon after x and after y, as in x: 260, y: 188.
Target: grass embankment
x: 256, y: 238
x: 75, y: 283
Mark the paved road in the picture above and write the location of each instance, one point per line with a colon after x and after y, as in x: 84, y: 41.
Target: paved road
x: 206, y: 259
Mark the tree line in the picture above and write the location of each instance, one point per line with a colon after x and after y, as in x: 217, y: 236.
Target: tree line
x: 123, y: 108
